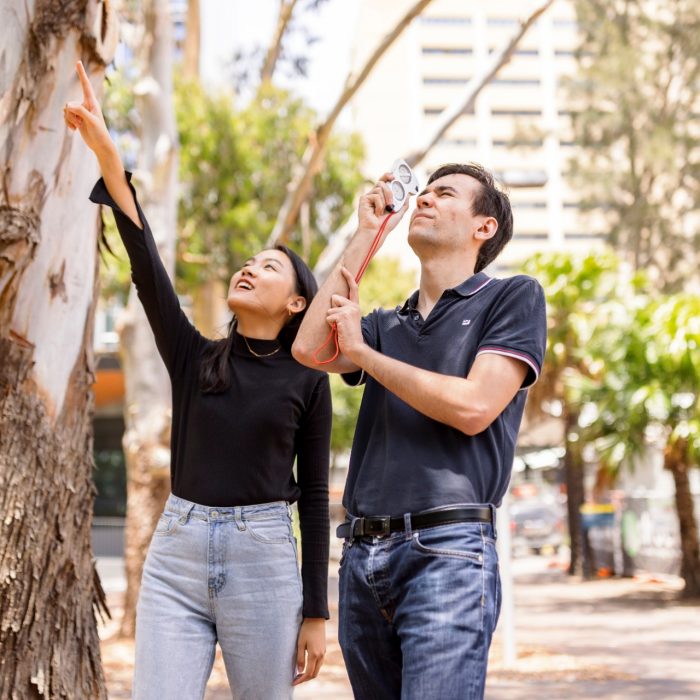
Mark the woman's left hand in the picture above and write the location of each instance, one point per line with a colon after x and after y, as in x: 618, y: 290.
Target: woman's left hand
x: 311, y: 649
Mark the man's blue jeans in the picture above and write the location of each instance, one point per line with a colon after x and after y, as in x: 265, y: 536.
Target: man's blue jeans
x: 417, y: 612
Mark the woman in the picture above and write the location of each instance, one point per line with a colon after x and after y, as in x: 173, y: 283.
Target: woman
x: 222, y: 563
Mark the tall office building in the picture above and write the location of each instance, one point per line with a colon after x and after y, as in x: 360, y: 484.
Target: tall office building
x: 520, y: 126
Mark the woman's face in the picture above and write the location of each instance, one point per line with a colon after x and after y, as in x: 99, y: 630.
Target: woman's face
x: 265, y: 286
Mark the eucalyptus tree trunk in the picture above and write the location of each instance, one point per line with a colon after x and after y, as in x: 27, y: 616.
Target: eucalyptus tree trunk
x: 49, y: 588
x: 147, y: 385
x: 676, y: 461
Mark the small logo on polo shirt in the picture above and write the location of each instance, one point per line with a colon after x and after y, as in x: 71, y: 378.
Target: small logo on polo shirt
x: 466, y: 321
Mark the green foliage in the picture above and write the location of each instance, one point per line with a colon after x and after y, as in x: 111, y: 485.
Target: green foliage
x: 235, y: 165
x: 575, y: 287
x: 384, y: 285
x: 636, y: 120
x: 622, y: 357
x: 115, y: 271
x: 648, y: 389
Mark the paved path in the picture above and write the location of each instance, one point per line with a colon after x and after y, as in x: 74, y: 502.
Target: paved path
x: 610, y: 639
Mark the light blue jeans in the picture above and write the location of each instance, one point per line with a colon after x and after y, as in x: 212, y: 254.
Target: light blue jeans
x: 417, y: 612
x: 226, y: 575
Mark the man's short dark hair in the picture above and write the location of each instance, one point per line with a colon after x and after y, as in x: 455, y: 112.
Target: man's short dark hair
x: 489, y: 201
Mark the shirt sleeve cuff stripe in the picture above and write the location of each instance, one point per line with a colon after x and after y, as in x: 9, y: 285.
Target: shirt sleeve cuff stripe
x: 515, y: 354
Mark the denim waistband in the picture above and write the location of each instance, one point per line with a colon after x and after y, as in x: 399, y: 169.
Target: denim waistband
x: 186, y: 509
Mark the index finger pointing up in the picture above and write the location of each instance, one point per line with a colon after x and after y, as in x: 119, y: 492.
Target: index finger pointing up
x: 88, y: 93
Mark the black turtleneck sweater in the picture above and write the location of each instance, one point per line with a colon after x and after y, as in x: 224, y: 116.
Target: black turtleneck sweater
x: 238, y: 447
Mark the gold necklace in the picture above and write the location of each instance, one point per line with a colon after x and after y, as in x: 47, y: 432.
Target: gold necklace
x: 252, y: 352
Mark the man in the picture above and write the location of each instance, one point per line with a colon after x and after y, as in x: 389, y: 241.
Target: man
x: 435, y: 437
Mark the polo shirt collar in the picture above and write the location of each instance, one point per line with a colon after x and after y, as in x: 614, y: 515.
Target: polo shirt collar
x: 473, y: 284
x: 468, y: 288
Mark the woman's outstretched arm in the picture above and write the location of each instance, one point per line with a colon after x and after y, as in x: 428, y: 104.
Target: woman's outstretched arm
x: 86, y: 117
x: 175, y: 336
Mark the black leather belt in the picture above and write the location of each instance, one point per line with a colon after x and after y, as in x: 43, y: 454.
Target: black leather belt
x: 380, y: 526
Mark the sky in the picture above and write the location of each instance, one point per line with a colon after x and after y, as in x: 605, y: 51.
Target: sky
x: 228, y: 25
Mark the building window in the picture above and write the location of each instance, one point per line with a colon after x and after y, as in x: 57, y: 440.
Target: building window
x: 518, y: 143
x: 523, y: 178
x: 445, y: 81
x: 431, y: 111
x: 516, y: 112
x: 446, y: 50
x: 529, y: 205
x: 445, y: 20
x: 539, y: 236
x: 502, y: 22
x: 110, y: 466
x: 516, y: 81
x: 585, y: 236
x: 457, y: 142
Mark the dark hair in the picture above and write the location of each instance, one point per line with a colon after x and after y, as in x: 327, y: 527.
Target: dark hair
x: 214, y: 373
x: 491, y: 200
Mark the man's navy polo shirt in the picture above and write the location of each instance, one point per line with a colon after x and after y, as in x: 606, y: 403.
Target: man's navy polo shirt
x: 401, y: 460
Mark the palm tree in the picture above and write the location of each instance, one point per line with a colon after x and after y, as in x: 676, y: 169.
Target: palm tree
x: 574, y: 287
x: 649, y: 393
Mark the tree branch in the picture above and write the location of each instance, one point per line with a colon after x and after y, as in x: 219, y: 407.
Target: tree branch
x: 336, y: 245
x: 312, y: 160
x: 466, y: 101
x: 273, y: 52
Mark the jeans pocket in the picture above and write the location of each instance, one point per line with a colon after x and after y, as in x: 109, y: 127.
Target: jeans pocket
x: 272, y: 530
x: 451, y: 541
x: 343, y: 553
x: 167, y: 524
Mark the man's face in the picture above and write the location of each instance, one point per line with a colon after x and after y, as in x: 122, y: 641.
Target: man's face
x: 443, y: 213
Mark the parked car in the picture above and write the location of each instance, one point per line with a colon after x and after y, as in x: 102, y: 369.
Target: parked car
x: 536, y: 525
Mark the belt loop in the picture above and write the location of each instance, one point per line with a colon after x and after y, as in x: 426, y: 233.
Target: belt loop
x: 493, y: 520
x: 407, y: 526
x: 185, y: 516
x: 238, y: 518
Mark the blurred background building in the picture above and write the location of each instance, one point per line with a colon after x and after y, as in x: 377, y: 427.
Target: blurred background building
x: 520, y: 127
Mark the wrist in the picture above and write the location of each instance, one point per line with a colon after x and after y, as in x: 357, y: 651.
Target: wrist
x: 359, y: 354
x: 107, y: 153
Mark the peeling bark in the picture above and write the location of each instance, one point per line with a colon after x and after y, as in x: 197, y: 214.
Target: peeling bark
x: 49, y: 588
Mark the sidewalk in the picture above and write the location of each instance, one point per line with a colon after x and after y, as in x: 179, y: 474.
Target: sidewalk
x: 612, y: 639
